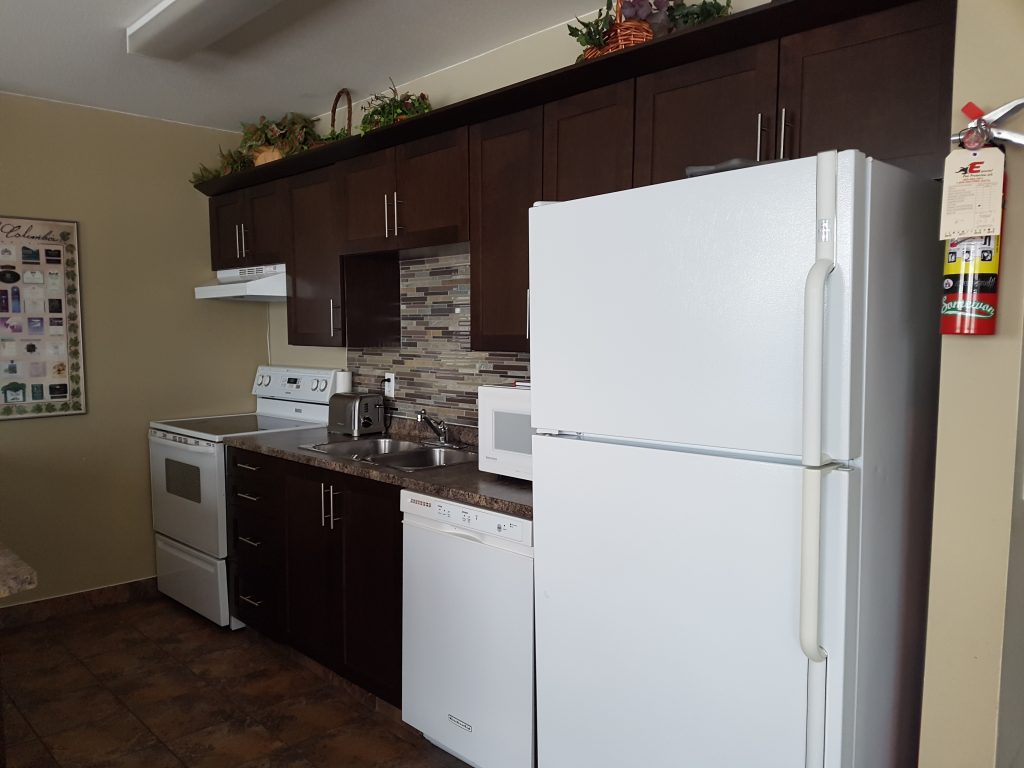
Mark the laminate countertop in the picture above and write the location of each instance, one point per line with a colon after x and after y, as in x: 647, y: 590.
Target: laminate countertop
x: 15, y: 574
x: 463, y: 483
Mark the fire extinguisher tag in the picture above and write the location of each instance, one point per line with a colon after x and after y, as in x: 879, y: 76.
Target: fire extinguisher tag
x: 972, y: 194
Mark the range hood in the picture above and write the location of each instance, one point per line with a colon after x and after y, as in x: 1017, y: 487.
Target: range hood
x: 265, y: 283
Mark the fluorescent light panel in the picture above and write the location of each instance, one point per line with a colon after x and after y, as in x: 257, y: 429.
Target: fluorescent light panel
x: 175, y: 29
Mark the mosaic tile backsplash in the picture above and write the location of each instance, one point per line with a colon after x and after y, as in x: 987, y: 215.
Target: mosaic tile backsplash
x: 435, y: 367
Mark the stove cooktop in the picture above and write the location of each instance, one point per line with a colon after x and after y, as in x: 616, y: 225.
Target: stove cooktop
x: 216, y: 428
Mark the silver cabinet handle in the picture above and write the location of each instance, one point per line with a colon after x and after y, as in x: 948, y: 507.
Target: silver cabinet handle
x: 760, y: 131
x: 386, y: 231
x: 250, y: 542
x: 250, y: 601
x: 247, y: 497
x: 394, y: 198
x: 782, y: 135
x: 250, y: 467
x: 323, y: 508
x: 333, y: 518
x: 237, y: 252
x: 331, y: 318
x: 243, y: 241
x: 527, y: 313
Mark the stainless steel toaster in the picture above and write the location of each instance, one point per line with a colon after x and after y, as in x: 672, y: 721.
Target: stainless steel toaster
x: 355, y: 413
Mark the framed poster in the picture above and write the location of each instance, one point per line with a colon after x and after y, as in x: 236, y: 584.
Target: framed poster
x: 41, y: 372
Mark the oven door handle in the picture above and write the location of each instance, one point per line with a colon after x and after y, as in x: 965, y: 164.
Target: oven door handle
x: 206, y: 449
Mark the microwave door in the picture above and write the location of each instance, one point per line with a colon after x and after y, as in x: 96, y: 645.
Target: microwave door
x: 505, y: 432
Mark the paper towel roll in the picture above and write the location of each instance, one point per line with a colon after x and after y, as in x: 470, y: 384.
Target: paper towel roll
x: 343, y: 381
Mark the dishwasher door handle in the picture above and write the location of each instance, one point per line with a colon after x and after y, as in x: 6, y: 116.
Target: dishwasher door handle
x: 446, y: 530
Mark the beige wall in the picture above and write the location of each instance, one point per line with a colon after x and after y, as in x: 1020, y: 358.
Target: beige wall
x: 74, y: 490
x: 971, y: 628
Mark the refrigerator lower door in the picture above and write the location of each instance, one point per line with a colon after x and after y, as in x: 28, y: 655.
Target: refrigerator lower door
x: 668, y: 610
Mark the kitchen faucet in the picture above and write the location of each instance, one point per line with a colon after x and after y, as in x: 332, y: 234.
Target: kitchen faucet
x: 438, y: 427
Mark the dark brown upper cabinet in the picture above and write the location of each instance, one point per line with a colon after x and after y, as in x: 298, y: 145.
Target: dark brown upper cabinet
x: 706, y: 112
x: 588, y: 143
x: 316, y: 308
x: 373, y: 310
x: 879, y: 83
x: 506, y: 157
x: 336, y: 300
x: 250, y: 227
x: 408, y: 196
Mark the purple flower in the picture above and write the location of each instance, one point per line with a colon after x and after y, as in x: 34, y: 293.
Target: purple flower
x: 636, y: 9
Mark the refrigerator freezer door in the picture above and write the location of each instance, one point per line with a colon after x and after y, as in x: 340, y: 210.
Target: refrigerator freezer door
x: 668, y: 608
x: 696, y: 289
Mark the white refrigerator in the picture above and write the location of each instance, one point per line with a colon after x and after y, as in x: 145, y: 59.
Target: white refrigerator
x: 734, y: 390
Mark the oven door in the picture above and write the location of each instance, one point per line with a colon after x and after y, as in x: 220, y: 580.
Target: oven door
x: 187, y: 481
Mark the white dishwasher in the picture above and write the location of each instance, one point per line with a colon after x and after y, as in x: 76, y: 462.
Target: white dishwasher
x: 467, y: 630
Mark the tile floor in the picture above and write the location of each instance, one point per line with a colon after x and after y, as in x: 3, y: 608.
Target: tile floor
x: 150, y: 684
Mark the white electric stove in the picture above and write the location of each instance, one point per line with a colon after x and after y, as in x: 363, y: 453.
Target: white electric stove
x: 186, y: 468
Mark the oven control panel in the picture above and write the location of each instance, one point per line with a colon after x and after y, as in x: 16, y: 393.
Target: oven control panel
x: 309, y: 385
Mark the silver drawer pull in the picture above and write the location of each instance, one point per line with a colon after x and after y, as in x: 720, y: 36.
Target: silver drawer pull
x: 250, y: 467
x: 250, y: 601
x: 247, y: 497
x: 250, y: 542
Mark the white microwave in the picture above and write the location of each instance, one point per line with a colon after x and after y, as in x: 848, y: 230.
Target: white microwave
x: 506, y: 437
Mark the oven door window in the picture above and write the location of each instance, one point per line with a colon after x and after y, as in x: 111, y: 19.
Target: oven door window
x: 183, y: 480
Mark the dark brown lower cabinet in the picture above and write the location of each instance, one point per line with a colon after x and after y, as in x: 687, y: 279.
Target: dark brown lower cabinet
x: 317, y: 563
x: 315, y: 545
x: 372, y: 567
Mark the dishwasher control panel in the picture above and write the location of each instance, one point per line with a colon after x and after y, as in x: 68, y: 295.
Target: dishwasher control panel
x: 471, y: 518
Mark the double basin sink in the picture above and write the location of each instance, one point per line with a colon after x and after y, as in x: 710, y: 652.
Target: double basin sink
x: 403, y: 455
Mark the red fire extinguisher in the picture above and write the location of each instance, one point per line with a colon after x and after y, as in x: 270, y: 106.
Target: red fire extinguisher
x: 970, y: 280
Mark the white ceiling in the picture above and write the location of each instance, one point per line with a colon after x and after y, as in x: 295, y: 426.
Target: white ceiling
x: 292, y: 58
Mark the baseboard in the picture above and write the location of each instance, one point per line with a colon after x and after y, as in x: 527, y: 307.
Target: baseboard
x: 24, y: 614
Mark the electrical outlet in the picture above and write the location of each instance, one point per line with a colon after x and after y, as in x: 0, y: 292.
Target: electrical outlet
x: 389, y: 384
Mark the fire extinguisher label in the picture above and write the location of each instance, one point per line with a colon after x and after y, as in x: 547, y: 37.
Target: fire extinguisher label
x: 970, y: 283
x: 972, y: 193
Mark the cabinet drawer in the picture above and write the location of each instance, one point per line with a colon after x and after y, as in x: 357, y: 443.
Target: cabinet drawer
x: 257, y: 598
x: 259, y: 539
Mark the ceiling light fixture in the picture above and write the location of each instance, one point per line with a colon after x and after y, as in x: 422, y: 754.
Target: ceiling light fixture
x: 175, y: 29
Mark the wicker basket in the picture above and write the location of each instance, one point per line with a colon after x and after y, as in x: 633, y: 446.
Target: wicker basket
x: 623, y: 34
x: 334, y: 109
x: 266, y: 154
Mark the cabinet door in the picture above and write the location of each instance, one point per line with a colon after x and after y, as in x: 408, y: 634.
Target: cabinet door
x: 705, y: 112
x: 373, y: 587
x: 506, y: 164
x: 365, y: 187
x: 372, y: 300
x: 433, y: 190
x: 880, y: 83
x: 588, y: 143
x: 315, y: 301
x: 315, y: 598
x: 225, y: 230
x: 267, y: 234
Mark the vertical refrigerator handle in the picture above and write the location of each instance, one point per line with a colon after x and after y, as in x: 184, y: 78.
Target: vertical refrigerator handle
x: 814, y: 309
x: 810, y: 566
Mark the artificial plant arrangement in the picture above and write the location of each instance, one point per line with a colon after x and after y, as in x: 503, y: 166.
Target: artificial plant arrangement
x: 268, y: 140
x: 591, y: 34
x: 388, y: 108
x: 230, y: 161
x: 636, y: 21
